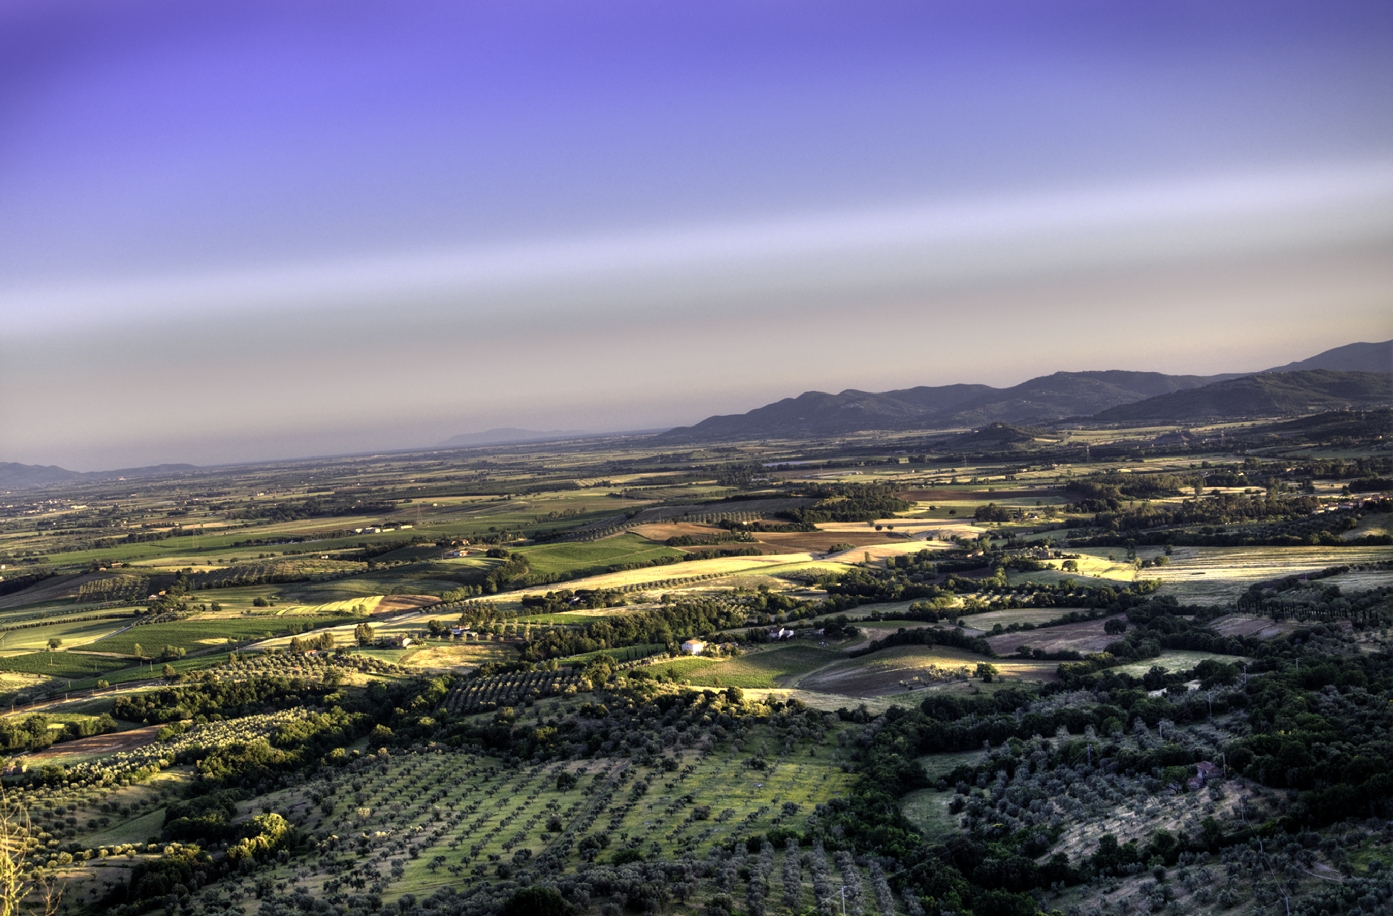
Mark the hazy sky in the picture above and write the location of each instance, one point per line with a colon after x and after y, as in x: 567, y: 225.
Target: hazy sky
x: 235, y: 229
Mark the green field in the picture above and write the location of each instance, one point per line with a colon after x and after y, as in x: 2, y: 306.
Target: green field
x: 766, y: 668
x: 595, y: 556
x: 73, y: 633
x: 485, y: 817
x: 137, y: 830
x: 63, y: 664
x: 1175, y: 660
x: 903, y: 668
x: 200, y: 634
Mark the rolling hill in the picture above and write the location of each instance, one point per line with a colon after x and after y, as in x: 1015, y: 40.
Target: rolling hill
x: 1269, y: 394
x: 1355, y: 357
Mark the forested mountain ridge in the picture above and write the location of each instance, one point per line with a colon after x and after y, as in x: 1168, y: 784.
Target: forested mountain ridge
x: 1270, y: 394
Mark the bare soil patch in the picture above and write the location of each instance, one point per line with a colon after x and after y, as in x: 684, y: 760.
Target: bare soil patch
x: 1080, y: 637
x: 97, y: 745
x: 395, y: 604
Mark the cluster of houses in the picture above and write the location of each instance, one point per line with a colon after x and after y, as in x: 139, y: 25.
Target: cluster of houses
x: 379, y: 529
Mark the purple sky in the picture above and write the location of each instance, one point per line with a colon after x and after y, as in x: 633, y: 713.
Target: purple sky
x: 233, y: 230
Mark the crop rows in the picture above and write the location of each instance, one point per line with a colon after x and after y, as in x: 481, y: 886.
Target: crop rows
x: 488, y: 693
x: 304, y: 665
x: 410, y: 822
x: 113, y: 588
x: 55, y: 806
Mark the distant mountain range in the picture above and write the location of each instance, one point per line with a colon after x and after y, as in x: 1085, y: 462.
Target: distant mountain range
x: 15, y: 476
x: 509, y: 436
x: 1307, y: 386
x: 1358, y: 376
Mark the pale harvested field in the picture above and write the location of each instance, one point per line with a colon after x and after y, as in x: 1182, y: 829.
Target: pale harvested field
x: 661, y: 531
x: 818, y: 541
x: 369, y: 604
x: 881, y: 551
x: 772, y: 564
x: 989, y: 619
x: 1002, y: 497
x: 1079, y: 637
x: 459, y: 658
x: 1261, y: 627
x: 1215, y: 575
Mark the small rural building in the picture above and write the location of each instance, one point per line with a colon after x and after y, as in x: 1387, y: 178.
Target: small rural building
x: 693, y: 647
x: 781, y: 633
x: 1204, y: 772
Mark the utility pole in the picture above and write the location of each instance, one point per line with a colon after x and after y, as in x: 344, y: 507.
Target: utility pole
x: 843, y: 900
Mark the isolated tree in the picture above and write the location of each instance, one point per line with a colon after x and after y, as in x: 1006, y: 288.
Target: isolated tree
x: 139, y: 650
x: 53, y: 643
x: 986, y: 672
x: 363, y: 633
x: 168, y: 671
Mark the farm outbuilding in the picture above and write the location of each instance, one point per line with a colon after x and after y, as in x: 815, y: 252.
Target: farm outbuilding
x: 693, y: 647
x: 1204, y: 772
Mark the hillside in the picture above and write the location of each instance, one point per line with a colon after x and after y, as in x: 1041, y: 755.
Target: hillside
x: 1271, y: 394
x: 1050, y: 397
x: 1355, y: 357
x: 15, y: 476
